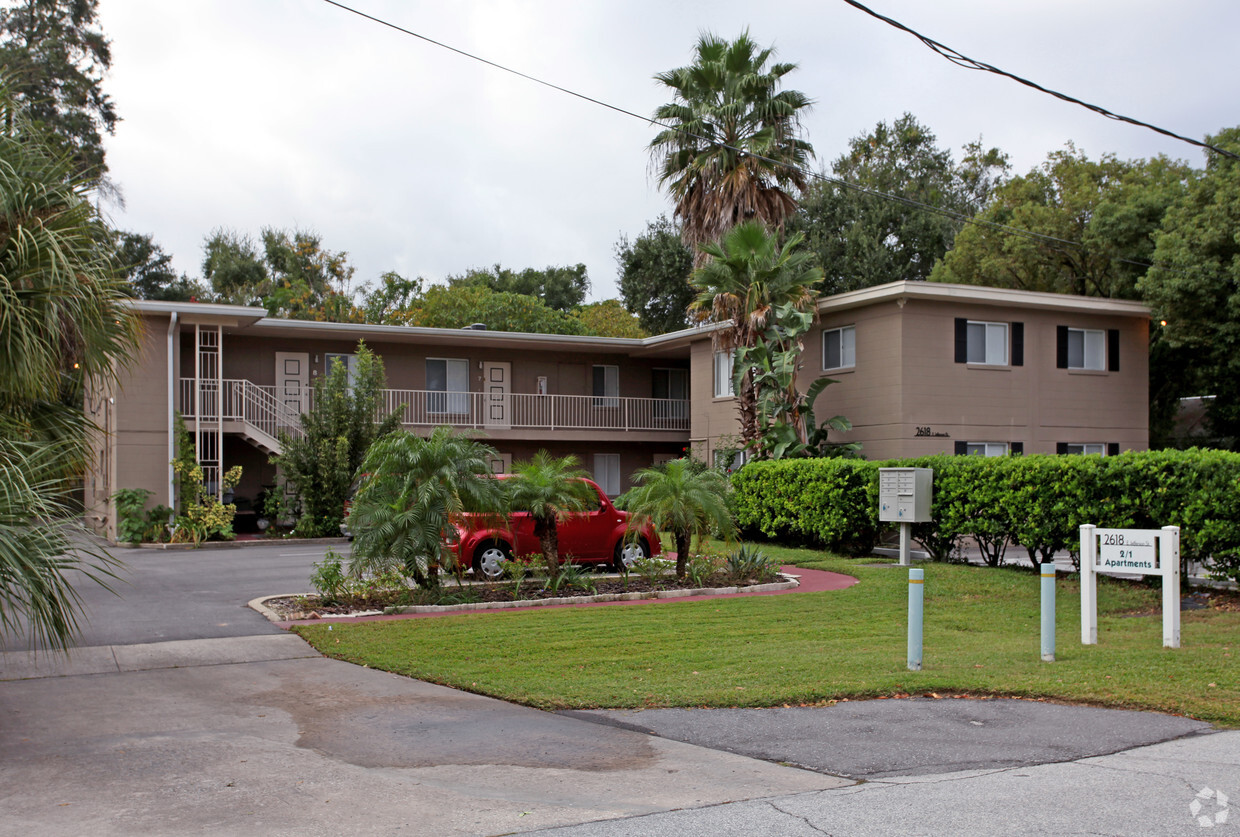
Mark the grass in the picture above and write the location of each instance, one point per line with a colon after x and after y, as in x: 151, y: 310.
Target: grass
x: 981, y: 638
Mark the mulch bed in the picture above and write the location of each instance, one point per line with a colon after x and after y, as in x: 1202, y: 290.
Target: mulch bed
x: 293, y: 608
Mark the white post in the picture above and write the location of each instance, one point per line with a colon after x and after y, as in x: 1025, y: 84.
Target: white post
x: 906, y: 532
x: 1089, y: 585
x: 1169, y: 562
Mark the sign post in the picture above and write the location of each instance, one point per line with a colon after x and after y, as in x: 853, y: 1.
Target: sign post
x: 1135, y: 551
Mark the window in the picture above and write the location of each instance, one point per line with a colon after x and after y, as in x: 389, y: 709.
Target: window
x: 606, y: 386
x: 1092, y: 448
x: 349, y: 362
x: 723, y: 374
x: 1087, y: 348
x: 447, y: 379
x: 730, y: 459
x: 607, y: 472
x: 987, y: 344
x: 839, y: 348
x: 672, y: 386
x: 982, y: 448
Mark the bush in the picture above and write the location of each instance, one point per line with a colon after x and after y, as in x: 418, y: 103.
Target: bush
x: 131, y: 520
x: 1038, y: 501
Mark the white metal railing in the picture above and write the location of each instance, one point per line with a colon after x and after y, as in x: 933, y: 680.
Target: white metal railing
x: 243, y: 400
x: 260, y: 407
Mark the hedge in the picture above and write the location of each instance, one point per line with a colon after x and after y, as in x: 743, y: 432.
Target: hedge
x: 1038, y: 502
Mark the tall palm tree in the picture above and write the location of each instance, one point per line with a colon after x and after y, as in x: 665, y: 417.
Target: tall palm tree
x: 749, y: 276
x: 680, y: 499
x: 412, y: 490
x: 732, y: 148
x: 64, y: 326
x: 548, y: 488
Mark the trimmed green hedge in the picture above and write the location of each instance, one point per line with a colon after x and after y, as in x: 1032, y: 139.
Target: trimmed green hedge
x: 1038, y: 502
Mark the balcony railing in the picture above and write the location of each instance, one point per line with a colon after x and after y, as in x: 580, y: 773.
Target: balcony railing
x: 260, y: 407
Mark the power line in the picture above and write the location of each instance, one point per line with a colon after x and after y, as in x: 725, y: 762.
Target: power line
x: 972, y: 64
x: 820, y: 176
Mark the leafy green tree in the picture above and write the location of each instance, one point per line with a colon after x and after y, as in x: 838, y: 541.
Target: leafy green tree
x: 732, y: 150
x: 609, y: 319
x: 548, y: 488
x: 54, y: 58
x: 390, y: 302
x: 654, y: 276
x: 413, y: 489
x: 338, y: 430
x: 559, y: 288
x: 457, y: 306
x: 684, y: 500
x: 862, y: 239
x: 1111, y: 207
x: 748, y: 278
x: 149, y: 271
x: 234, y: 268
x: 64, y: 325
x: 1193, y: 284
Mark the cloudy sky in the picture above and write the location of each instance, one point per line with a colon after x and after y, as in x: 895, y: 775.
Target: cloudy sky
x: 294, y: 113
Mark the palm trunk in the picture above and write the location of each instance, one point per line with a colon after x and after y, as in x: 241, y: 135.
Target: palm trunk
x: 682, y: 553
x: 549, y: 539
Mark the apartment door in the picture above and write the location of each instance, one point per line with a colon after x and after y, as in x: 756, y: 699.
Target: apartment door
x: 496, y: 376
x: 292, y: 381
x: 501, y: 464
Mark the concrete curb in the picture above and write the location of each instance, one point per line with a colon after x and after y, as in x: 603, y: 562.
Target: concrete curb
x: 789, y: 583
x: 178, y: 547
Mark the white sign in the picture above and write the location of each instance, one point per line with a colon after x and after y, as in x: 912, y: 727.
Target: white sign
x: 1128, y: 551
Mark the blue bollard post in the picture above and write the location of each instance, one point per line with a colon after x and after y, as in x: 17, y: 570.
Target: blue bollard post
x: 916, y: 601
x: 1048, y: 612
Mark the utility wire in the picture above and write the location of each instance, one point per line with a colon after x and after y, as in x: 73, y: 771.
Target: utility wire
x: 820, y: 176
x: 971, y: 64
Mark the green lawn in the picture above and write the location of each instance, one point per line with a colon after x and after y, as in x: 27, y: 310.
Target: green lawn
x: 981, y: 638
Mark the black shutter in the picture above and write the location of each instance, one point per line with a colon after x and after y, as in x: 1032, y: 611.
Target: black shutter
x: 1061, y: 347
x: 1112, y: 448
x: 1017, y: 448
x: 1018, y: 344
x: 962, y: 340
x: 1061, y: 447
x: 962, y: 448
x: 1113, y: 349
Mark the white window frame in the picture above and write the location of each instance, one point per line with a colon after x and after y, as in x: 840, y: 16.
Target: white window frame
x: 986, y: 448
x: 453, y: 401
x: 349, y: 361
x: 724, y: 364
x: 610, y: 396
x: 739, y: 458
x: 844, y: 339
x: 1087, y: 448
x: 1084, y: 342
x: 607, y: 472
x: 994, y: 343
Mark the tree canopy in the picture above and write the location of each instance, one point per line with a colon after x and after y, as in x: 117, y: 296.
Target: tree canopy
x: 149, y: 272
x: 560, y: 288
x: 654, y: 276
x: 732, y: 149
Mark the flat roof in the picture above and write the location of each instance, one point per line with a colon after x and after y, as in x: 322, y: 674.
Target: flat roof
x: 982, y: 295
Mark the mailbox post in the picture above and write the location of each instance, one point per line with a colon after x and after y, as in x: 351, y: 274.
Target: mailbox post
x: 904, y: 497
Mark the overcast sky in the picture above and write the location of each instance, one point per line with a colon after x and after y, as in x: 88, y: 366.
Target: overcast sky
x: 294, y: 113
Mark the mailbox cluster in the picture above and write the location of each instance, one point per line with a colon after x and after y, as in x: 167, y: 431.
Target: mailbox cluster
x: 905, y: 494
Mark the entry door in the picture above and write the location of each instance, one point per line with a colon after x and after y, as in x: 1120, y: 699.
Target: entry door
x: 292, y: 381
x: 501, y: 464
x: 496, y: 376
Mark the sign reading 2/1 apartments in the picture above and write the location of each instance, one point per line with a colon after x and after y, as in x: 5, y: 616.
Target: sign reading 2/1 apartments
x: 1128, y: 550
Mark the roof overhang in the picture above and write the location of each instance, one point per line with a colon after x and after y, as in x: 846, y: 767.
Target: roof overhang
x: 981, y: 295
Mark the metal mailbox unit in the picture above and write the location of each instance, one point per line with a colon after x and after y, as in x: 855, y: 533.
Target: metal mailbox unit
x: 904, y: 497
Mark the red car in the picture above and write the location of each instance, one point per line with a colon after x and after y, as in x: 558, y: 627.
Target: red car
x: 598, y: 535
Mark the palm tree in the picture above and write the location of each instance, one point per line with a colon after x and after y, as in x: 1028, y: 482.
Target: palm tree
x: 548, y: 488
x: 683, y: 500
x: 749, y: 277
x: 732, y: 148
x: 64, y: 326
x: 412, y: 490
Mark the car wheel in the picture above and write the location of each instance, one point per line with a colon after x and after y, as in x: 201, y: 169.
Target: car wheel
x: 628, y: 552
x: 489, y: 559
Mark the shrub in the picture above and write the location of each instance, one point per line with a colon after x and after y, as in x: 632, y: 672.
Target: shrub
x: 131, y: 519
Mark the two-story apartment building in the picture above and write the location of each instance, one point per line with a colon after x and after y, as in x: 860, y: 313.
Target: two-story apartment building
x: 921, y: 368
